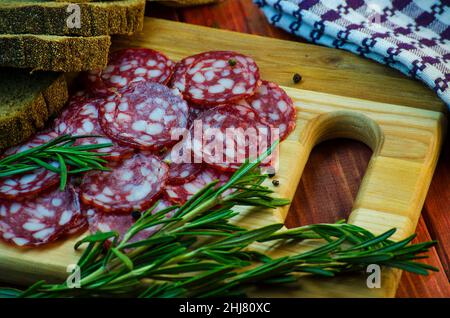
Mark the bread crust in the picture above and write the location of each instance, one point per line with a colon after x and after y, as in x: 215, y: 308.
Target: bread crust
x: 54, y: 53
x: 46, y: 99
x: 50, y: 18
x: 186, y: 3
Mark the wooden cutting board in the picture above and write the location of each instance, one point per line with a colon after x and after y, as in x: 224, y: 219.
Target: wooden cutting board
x: 405, y: 143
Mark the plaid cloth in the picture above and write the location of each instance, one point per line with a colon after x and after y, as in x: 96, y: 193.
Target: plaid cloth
x: 412, y: 36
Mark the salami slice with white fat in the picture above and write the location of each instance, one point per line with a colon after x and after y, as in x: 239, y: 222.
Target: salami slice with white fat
x: 78, y: 225
x: 230, y: 134
x: 80, y: 117
x: 182, y: 168
x: 178, y: 79
x: 132, y: 185
x: 41, y: 220
x: 144, y: 116
x: 121, y: 223
x: 181, y: 193
x: 274, y: 106
x: 194, y: 113
x: 129, y: 66
x: 216, y: 77
x: 181, y: 172
x: 28, y: 184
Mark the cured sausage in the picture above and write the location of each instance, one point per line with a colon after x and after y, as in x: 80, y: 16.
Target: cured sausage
x: 194, y: 112
x: 179, y: 194
x: 81, y: 118
x: 230, y: 134
x: 128, y: 66
x: 274, y: 106
x: 107, y: 222
x: 131, y: 185
x: 41, y: 220
x: 216, y: 77
x: 144, y: 116
x: 181, y: 172
x: 29, y: 184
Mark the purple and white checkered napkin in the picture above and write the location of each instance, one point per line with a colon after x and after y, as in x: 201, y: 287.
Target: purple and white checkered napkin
x: 412, y: 36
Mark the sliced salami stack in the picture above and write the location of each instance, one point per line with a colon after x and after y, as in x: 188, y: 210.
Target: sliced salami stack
x: 80, y: 117
x: 230, y: 134
x: 174, y: 129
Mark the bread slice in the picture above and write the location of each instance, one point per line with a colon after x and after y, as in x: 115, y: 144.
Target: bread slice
x: 27, y: 101
x: 186, y: 3
x: 54, y: 53
x: 51, y: 17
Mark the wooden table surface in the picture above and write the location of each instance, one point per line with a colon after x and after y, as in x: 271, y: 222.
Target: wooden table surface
x: 334, y: 171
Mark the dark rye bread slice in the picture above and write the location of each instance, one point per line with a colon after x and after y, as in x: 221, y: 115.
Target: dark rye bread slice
x: 27, y: 101
x: 54, y: 53
x: 50, y: 17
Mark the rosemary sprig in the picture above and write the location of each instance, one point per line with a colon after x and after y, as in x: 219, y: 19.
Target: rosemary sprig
x: 59, y: 156
x: 199, y: 252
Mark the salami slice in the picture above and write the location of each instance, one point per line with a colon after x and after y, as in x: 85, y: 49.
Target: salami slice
x: 181, y: 172
x: 31, y: 183
x: 230, y: 134
x: 80, y: 117
x: 80, y: 223
x: 194, y: 112
x: 41, y: 220
x: 132, y: 185
x: 107, y: 222
x: 274, y: 106
x: 144, y: 116
x: 219, y: 77
x: 181, y: 193
x: 178, y: 79
x: 129, y: 66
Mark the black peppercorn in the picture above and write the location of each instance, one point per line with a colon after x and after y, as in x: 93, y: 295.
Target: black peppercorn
x: 136, y: 215
x: 232, y: 62
x: 276, y: 183
x: 297, y: 78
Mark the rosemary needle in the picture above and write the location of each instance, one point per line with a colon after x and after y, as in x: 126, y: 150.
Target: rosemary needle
x: 59, y: 155
x: 177, y: 260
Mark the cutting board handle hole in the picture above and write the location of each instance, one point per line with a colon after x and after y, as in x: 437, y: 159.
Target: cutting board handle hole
x: 329, y: 183
x: 332, y: 176
x: 343, y: 124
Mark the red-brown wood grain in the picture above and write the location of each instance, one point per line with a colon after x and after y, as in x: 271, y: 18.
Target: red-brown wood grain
x: 329, y: 182
x: 334, y: 171
x: 233, y: 15
x: 437, y: 207
x: 433, y: 285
